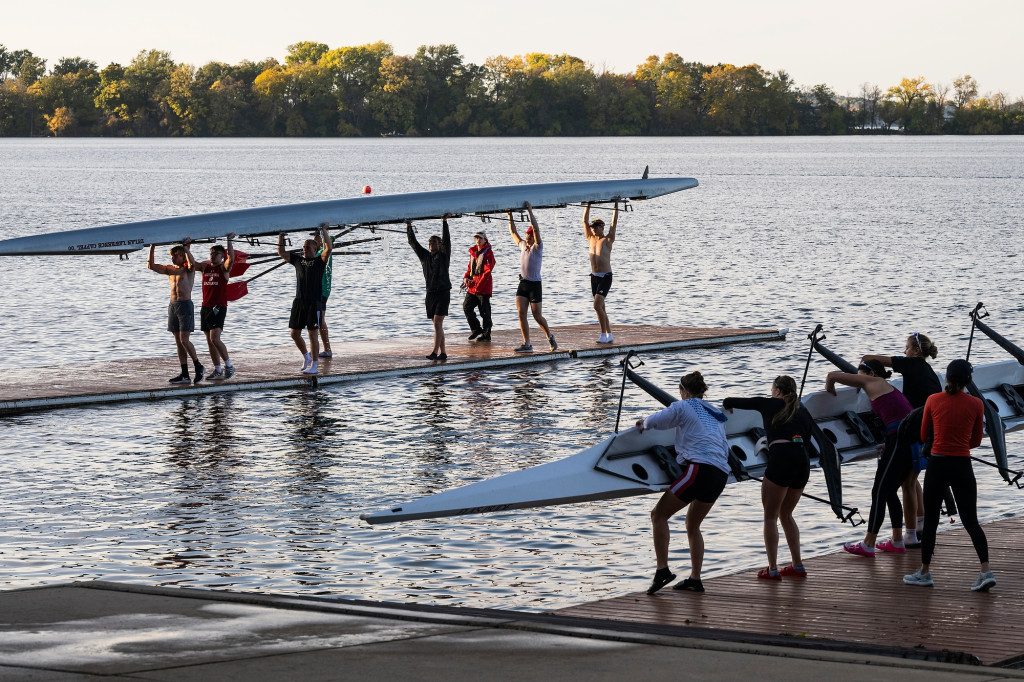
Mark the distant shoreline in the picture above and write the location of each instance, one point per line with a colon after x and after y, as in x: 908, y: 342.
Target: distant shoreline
x: 369, y: 91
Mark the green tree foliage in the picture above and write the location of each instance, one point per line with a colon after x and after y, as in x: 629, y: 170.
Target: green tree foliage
x: 369, y: 90
x: 31, y: 69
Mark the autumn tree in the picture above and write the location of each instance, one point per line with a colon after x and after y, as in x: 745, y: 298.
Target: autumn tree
x: 910, y: 97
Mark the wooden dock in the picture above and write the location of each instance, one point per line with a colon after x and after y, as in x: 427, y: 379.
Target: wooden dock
x: 852, y: 599
x: 276, y: 368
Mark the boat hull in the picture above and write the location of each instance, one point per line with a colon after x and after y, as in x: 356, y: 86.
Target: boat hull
x: 623, y: 464
x: 365, y: 210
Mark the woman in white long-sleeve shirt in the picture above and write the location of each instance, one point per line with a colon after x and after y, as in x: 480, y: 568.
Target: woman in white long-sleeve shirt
x: 703, y: 452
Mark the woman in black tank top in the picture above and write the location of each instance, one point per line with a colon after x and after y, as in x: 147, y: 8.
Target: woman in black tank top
x: 787, y: 430
x: 919, y: 382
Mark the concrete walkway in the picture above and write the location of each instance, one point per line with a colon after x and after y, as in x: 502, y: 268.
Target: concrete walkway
x: 111, y: 631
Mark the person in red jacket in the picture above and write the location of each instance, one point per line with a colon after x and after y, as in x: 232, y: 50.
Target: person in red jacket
x: 478, y: 286
x: 216, y: 272
x: 954, y: 420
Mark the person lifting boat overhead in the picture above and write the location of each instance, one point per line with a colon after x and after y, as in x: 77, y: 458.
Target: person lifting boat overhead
x: 702, y: 451
x: 529, y: 292
x: 309, y: 274
x: 478, y: 285
x: 919, y: 382
x: 600, y: 246
x: 181, y: 314
x: 214, y: 310
x: 325, y: 340
x: 955, y: 422
x: 435, y: 262
x: 787, y: 428
x: 894, y: 465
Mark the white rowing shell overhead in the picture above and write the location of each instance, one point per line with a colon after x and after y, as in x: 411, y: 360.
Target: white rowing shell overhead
x: 364, y: 210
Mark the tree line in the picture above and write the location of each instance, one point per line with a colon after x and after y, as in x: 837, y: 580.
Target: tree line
x: 368, y: 90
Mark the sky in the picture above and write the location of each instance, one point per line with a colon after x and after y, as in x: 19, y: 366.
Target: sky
x: 842, y: 45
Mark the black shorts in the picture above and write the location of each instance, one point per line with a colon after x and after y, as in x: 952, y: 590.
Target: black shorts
x: 305, y: 314
x: 788, y: 465
x: 699, y: 482
x: 212, y: 318
x: 601, y: 284
x: 437, y: 303
x: 529, y: 290
x: 323, y: 303
x: 181, y: 317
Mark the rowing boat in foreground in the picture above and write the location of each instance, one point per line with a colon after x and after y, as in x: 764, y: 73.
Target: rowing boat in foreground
x: 628, y: 463
x: 365, y: 210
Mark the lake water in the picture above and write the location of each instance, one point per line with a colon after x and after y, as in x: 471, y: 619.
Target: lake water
x: 874, y: 237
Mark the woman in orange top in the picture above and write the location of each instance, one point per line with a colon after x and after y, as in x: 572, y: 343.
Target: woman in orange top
x: 955, y: 420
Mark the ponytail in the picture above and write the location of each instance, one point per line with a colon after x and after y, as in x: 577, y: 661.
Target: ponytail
x: 694, y: 383
x: 787, y: 387
x: 954, y: 387
x: 924, y: 344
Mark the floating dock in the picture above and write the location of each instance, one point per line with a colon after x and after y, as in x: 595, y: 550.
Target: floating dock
x: 43, y: 388
x: 859, y: 601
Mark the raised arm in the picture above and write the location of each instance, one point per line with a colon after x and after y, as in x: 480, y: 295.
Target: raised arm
x: 886, y: 360
x: 281, y: 251
x: 586, y: 222
x: 190, y: 262
x: 413, y: 242
x: 855, y: 380
x: 615, y: 219
x: 325, y: 255
x: 230, y: 260
x: 533, y: 220
x: 152, y: 264
x: 446, y: 237
x: 512, y: 229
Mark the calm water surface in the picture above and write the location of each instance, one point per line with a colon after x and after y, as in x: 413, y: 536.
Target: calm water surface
x: 875, y: 238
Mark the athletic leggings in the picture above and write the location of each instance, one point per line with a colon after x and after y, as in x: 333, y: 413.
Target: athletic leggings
x: 893, y: 468
x: 958, y: 474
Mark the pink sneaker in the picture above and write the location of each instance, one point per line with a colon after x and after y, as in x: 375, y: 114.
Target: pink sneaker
x: 859, y: 549
x: 890, y: 546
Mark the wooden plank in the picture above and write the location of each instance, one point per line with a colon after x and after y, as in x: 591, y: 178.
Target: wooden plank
x: 858, y: 600
x: 275, y: 368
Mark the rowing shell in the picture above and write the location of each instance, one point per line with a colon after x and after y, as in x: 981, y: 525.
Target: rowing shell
x: 623, y: 465
x: 366, y: 210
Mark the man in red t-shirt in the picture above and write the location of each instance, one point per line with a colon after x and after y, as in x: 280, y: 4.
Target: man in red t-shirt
x: 215, y: 305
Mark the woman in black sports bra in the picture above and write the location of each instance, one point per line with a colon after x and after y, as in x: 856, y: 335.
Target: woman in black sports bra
x: 788, y: 430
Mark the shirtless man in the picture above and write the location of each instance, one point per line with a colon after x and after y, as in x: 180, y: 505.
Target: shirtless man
x: 600, y: 266
x: 181, y: 317
x: 529, y: 292
x: 309, y: 282
x: 214, y: 310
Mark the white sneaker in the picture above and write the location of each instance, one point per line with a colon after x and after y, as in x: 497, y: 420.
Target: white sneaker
x: 307, y: 359
x: 608, y: 338
x: 311, y: 370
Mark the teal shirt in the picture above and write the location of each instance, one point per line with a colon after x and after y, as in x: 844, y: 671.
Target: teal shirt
x: 327, y: 273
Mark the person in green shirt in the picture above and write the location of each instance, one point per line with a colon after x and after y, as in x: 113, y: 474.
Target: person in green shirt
x: 326, y: 352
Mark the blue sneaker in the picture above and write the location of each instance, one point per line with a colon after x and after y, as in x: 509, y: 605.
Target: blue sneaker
x: 984, y: 583
x: 922, y: 579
